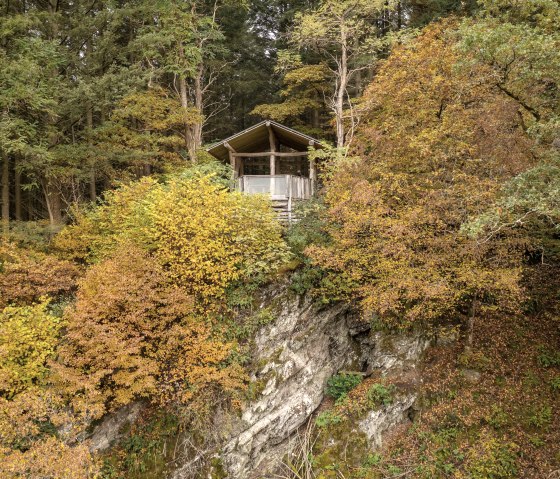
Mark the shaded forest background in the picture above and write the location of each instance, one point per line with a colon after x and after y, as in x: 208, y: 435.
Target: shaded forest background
x: 99, y: 92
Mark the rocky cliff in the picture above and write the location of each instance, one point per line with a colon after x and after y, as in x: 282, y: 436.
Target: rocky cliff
x: 295, y: 356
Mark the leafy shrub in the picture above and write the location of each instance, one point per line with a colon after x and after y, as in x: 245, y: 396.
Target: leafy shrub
x: 327, y: 418
x: 340, y: 385
x: 35, y: 235
x: 207, y: 237
x: 395, y: 217
x: 497, y: 418
x: 380, y: 395
x: 37, y: 430
x: 548, y: 358
x: 26, y: 275
x: 373, y: 459
x: 138, y: 338
x: 491, y: 459
x: 28, y: 338
x: 541, y: 417
x: 309, y: 229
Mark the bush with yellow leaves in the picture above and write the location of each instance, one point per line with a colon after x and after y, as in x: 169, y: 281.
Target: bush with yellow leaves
x: 205, y: 236
x: 36, y: 427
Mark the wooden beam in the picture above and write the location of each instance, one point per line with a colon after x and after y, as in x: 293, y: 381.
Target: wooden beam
x: 312, y: 175
x: 272, y: 142
x: 232, y: 159
x: 288, y: 154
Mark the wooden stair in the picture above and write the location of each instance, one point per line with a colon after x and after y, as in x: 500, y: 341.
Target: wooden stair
x: 285, y: 211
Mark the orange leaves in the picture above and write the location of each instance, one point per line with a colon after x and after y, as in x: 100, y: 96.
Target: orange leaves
x: 137, y: 337
x: 49, y: 459
x: 433, y: 154
x: 116, y: 325
x: 27, y: 275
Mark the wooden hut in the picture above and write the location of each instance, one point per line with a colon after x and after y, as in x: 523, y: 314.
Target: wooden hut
x: 270, y: 158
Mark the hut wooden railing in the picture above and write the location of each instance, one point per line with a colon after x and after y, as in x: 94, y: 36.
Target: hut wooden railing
x: 279, y: 187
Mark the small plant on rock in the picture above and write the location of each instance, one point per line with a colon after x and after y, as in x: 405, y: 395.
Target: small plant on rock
x: 380, y: 395
x: 340, y: 385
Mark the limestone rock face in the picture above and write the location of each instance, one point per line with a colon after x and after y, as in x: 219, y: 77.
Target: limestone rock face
x: 381, y: 421
x: 109, y: 429
x: 299, y: 351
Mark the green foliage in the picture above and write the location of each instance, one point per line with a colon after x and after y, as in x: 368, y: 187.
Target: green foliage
x: 498, y: 418
x: 34, y: 235
x: 518, y: 41
x: 380, y: 395
x: 340, y: 385
x: 492, y: 460
x: 146, y: 451
x: 310, y: 229
x: 541, y: 417
x: 327, y: 418
x: 244, y: 329
x: 548, y: 358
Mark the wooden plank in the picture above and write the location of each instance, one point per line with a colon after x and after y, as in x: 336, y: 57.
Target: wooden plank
x: 229, y: 147
x: 312, y: 174
x: 286, y: 154
x: 272, y: 146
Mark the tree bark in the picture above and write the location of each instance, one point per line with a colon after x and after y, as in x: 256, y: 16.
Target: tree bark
x: 343, y: 83
x: 358, y: 83
x: 52, y: 195
x: 54, y: 203
x: 89, y: 128
x: 315, y: 121
x: 17, y: 194
x: 199, y: 104
x: 5, y: 194
x: 189, y: 143
x: 30, y: 207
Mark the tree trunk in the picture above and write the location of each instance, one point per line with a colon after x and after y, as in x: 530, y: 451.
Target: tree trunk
x: 54, y: 203
x: 17, y: 196
x: 89, y: 127
x: 315, y: 121
x: 199, y: 104
x: 52, y: 195
x: 189, y: 141
x: 5, y: 194
x: 343, y: 83
x: 358, y: 83
x: 30, y: 207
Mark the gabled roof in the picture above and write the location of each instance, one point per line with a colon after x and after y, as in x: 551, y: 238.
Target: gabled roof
x: 255, y: 139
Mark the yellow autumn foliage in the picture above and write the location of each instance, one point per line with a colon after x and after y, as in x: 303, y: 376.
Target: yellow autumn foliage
x: 137, y: 338
x: 205, y: 236
x: 28, y: 338
x: 209, y: 237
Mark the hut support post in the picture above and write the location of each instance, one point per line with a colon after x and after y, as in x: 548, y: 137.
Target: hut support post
x: 272, y: 141
x: 233, y: 160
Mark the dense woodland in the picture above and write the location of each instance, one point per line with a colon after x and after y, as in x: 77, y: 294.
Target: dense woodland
x: 129, y: 268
